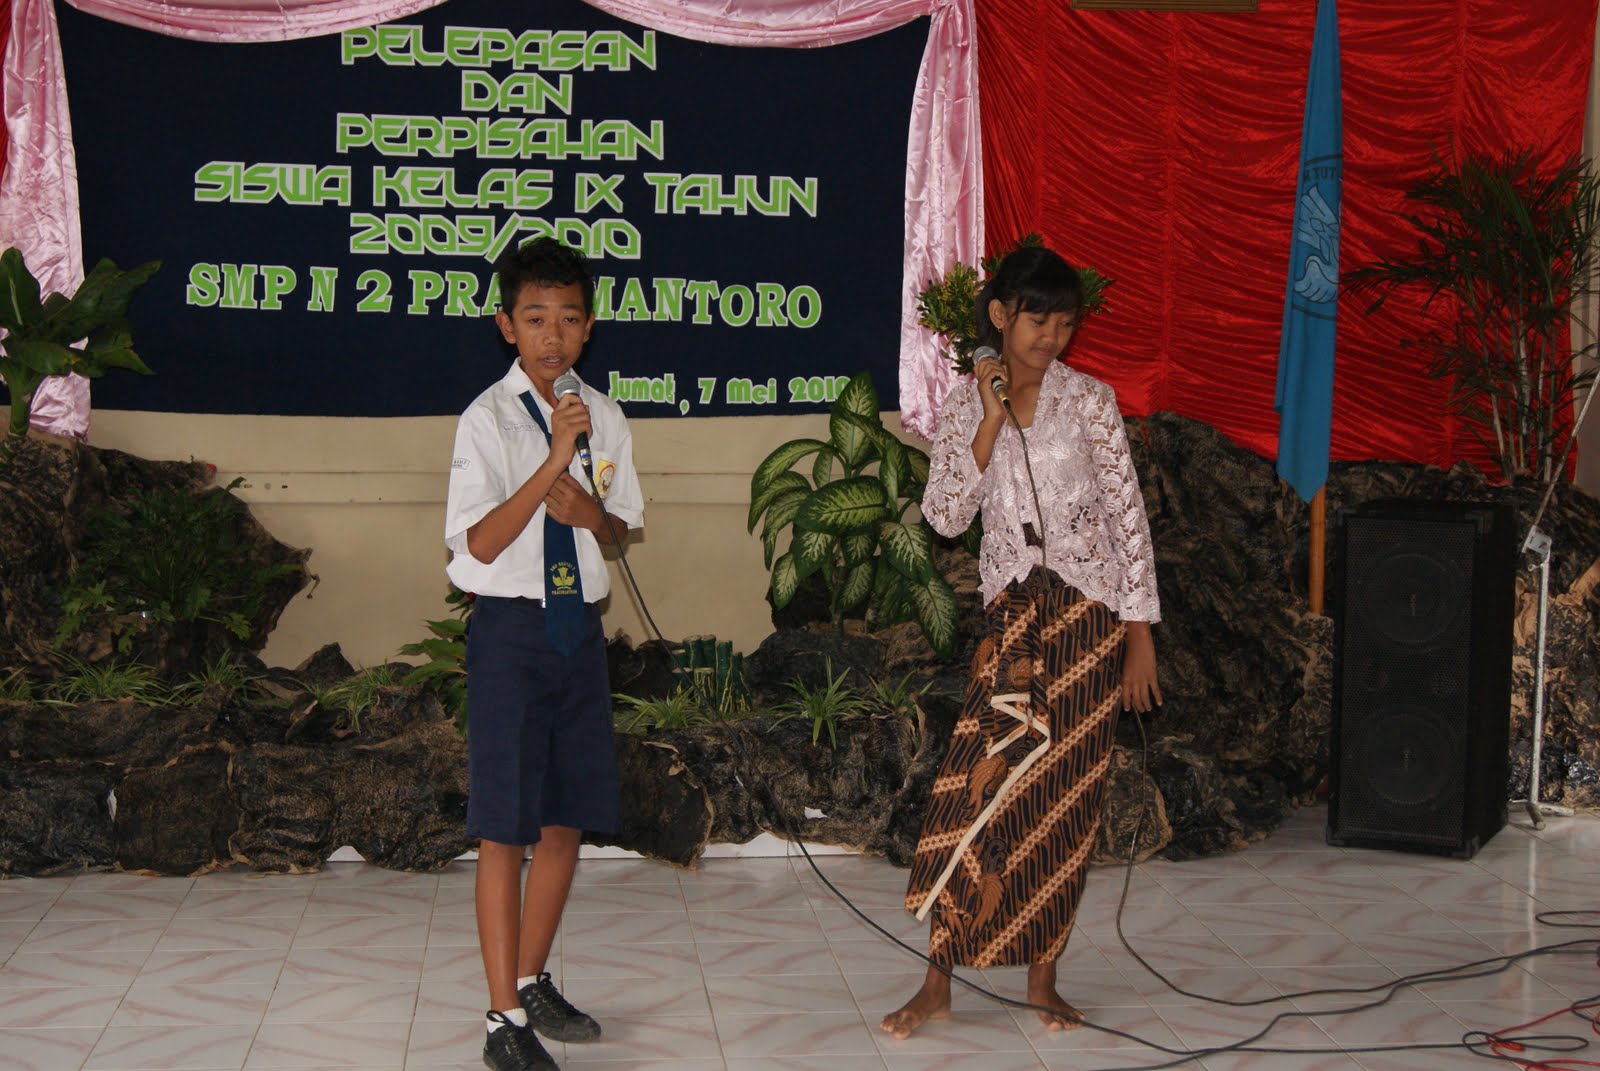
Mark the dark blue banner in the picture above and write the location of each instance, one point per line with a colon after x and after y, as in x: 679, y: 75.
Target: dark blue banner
x: 328, y: 210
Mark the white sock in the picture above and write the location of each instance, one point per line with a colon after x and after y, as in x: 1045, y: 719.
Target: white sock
x: 527, y: 981
x: 517, y: 1016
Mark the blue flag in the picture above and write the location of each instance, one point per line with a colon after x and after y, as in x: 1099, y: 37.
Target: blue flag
x: 1305, y: 355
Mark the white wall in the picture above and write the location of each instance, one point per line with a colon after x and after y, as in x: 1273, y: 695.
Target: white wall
x: 367, y: 497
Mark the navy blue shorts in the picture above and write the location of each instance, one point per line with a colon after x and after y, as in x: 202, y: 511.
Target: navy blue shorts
x: 539, y: 746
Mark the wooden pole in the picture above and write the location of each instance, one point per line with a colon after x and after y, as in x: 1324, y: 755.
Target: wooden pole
x: 1319, y: 541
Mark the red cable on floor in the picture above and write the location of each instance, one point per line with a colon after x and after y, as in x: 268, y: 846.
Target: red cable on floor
x: 1508, y: 1049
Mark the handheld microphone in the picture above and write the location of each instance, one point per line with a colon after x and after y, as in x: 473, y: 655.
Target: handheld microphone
x: 567, y: 383
x: 996, y: 384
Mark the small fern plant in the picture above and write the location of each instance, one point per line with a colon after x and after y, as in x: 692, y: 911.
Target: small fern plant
x: 825, y: 706
x: 445, y: 671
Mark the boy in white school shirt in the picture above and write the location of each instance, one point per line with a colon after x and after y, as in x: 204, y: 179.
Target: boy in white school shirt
x: 525, y: 534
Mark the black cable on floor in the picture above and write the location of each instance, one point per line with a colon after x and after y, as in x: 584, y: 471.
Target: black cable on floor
x: 1533, y: 1043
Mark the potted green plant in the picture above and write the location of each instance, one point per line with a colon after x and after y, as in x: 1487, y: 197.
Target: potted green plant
x: 848, y: 515
x: 1511, y: 244
x: 85, y: 333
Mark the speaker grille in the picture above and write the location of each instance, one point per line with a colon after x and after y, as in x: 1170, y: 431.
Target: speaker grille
x: 1412, y: 596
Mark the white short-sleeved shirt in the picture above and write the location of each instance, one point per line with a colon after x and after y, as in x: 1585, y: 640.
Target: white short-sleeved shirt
x: 498, y: 446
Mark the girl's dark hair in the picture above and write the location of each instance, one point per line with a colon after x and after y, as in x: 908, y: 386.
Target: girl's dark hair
x: 543, y: 262
x: 1033, y: 279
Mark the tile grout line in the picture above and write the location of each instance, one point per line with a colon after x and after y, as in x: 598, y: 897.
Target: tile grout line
x: 1549, y: 871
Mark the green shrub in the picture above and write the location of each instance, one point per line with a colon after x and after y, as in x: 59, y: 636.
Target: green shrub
x: 174, y: 558
x: 224, y: 677
x: 16, y: 686
x: 680, y: 710
x: 352, y: 698
x: 850, y: 520
x: 84, y: 334
x: 896, y: 698
x: 824, y: 706
x: 445, y: 672
x: 84, y: 683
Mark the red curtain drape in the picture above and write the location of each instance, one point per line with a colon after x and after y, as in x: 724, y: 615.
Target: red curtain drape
x: 1161, y: 149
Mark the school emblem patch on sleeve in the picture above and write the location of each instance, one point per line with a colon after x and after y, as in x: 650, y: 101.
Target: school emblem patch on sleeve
x: 604, y: 473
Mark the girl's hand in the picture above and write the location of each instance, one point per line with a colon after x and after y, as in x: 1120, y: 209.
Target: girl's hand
x: 1141, y: 690
x: 985, y: 371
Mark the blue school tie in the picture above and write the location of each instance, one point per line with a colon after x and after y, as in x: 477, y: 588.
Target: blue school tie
x: 563, y: 586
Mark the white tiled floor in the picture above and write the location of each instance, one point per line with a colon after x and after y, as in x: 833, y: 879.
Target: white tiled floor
x: 751, y: 965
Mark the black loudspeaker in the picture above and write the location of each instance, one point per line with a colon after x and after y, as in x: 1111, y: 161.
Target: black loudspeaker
x: 1419, y: 753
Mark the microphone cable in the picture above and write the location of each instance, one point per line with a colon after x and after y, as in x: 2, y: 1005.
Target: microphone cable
x: 1389, y: 989
x: 1469, y: 1042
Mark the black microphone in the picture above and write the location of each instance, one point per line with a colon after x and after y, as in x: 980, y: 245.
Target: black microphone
x: 567, y: 383
x: 982, y: 353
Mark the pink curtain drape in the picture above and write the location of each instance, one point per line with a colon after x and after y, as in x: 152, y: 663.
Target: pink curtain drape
x: 39, y: 188
x: 944, y: 198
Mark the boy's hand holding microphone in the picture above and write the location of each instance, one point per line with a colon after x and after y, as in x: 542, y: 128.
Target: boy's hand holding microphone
x: 568, y: 501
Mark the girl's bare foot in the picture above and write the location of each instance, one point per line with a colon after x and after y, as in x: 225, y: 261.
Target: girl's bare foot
x: 1042, y: 992
x: 932, y: 1001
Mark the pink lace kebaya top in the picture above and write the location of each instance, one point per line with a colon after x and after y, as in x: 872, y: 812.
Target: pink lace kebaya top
x: 1095, y: 530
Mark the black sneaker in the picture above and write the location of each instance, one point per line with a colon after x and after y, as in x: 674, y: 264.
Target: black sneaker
x: 551, y: 1015
x: 515, y: 1048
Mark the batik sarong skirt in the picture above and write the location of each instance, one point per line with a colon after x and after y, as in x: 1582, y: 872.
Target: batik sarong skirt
x: 1005, y: 846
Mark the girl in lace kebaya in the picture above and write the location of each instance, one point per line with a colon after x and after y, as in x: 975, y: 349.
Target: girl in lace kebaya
x: 1069, y: 600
